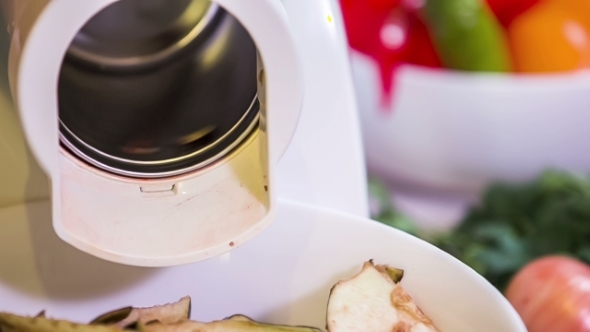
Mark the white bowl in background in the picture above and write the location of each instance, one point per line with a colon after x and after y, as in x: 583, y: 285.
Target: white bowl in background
x: 283, y: 276
x: 452, y: 133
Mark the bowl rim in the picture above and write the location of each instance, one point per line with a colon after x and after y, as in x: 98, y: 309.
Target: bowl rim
x: 510, y: 313
x: 576, y: 78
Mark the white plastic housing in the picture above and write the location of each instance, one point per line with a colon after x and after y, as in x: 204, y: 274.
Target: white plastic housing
x: 154, y: 222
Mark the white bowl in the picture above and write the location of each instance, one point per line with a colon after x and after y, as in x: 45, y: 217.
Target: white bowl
x: 457, y: 132
x: 282, y: 276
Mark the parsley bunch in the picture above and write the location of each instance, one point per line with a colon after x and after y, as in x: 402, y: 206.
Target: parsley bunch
x: 514, y: 224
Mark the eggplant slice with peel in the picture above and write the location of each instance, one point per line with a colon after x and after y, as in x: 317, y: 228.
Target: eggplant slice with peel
x: 129, y: 317
x: 171, y: 317
x: 373, y: 300
x: 236, y: 323
x: 15, y: 323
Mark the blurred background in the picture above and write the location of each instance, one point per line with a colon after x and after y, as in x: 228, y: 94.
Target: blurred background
x: 455, y: 95
x: 474, y: 115
x: 475, y: 118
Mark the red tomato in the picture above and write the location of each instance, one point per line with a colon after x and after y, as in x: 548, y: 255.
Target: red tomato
x: 507, y: 10
x: 552, y: 294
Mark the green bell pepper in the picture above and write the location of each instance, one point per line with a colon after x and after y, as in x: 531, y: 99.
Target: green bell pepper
x: 467, y: 35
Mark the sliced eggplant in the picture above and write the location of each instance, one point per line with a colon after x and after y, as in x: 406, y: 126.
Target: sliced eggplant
x: 163, y: 318
x: 237, y: 323
x: 240, y: 317
x: 112, y: 317
x: 373, y: 300
x: 128, y: 317
x: 269, y: 327
x: 15, y: 323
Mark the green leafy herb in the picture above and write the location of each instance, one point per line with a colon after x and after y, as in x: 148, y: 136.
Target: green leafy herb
x: 516, y: 223
x: 387, y: 213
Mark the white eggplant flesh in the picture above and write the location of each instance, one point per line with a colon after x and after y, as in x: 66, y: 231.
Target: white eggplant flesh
x: 372, y: 301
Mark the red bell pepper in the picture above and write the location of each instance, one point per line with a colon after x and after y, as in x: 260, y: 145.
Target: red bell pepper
x: 507, y: 10
x: 392, y: 33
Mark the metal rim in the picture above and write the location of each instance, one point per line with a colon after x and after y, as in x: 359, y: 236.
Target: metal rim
x: 70, y: 145
x: 129, y: 62
x: 250, y: 130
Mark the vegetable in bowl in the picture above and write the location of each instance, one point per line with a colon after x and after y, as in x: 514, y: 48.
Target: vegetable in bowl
x: 472, y: 35
x: 469, y: 36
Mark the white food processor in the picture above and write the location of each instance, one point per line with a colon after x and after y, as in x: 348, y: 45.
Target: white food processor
x: 155, y: 149
x: 171, y: 118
